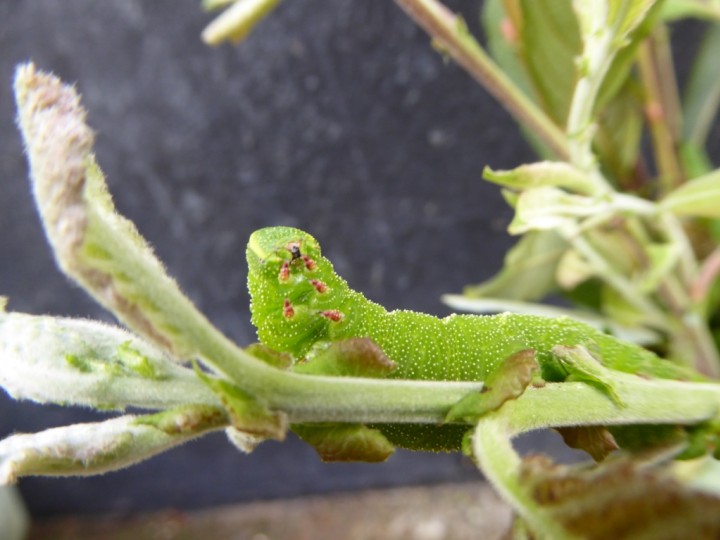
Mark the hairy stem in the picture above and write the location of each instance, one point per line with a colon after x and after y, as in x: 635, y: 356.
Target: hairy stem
x: 500, y: 463
x: 594, y: 63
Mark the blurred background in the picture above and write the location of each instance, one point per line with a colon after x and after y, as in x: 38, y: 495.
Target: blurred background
x: 334, y: 117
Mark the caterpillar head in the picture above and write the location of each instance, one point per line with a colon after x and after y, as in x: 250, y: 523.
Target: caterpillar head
x: 294, y: 290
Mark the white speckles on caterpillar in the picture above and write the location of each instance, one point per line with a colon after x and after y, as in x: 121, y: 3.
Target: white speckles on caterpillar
x: 300, y: 304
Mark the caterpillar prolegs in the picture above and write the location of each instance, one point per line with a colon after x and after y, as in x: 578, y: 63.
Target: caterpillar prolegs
x: 301, y: 306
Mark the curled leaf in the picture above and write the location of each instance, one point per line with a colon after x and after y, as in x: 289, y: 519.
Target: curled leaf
x: 95, y: 448
x: 93, y: 244
x: 544, y: 173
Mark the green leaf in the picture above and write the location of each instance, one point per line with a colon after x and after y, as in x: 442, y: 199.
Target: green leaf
x: 695, y: 160
x: 626, y: 15
x: 528, y: 272
x: 620, y: 69
x: 542, y: 174
x: 353, y: 357
x: 503, y: 43
x: 550, y: 41
x: 507, y: 382
x: 346, y: 442
x: 505, y: 47
x: 699, y: 197
x: 619, y: 133
x: 702, y: 92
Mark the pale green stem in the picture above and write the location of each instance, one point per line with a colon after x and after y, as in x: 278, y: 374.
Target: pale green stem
x: 654, y: 401
x: 339, y: 399
x: 707, y: 275
x: 594, y: 63
x: 645, y: 402
x: 501, y: 464
x: 684, y: 321
x: 450, y: 33
x: 706, y: 359
x: 689, y: 267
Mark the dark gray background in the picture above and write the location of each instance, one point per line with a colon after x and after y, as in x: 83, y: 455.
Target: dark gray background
x: 335, y: 117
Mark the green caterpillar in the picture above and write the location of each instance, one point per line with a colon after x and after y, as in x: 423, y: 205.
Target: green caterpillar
x: 300, y: 306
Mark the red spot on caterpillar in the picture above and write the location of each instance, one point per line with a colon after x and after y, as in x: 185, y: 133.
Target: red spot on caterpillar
x: 319, y: 285
x: 333, y: 314
x: 288, y: 310
x: 284, y: 274
x: 309, y: 263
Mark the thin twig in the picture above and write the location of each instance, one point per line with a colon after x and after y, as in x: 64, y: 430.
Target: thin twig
x: 659, y: 113
x: 709, y: 272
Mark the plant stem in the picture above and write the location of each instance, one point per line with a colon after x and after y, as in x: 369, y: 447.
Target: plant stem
x: 659, y: 111
x: 657, y: 402
x: 706, y: 277
x: 308, y: 398
x: 660, y: 41
x: 501, y: 464
x: 450, y: 33
x: 595, y: 61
